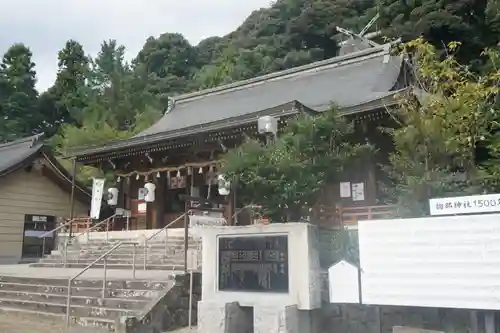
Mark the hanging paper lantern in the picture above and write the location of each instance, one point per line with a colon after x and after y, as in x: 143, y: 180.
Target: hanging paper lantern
x: 224, y: 185
x: 150, y: 192
x: 112, y: 196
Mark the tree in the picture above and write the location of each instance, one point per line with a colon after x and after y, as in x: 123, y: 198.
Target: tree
x: 165, y: 64
x: 69, y: 90
x: 441, y: 22
x: 18, y: 97
x: 287, y: 175
x: 448, y: 138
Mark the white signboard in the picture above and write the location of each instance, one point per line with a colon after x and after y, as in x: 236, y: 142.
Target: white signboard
x: 441, y: 262
x: 97, y: 190
x: 358, y: 191
x: 142, y: 208
x: 343, y: 283
x: 345, y: 190
x: 487, y: 203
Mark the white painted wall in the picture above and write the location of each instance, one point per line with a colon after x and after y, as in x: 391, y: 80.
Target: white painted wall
x: 449, y: 262
x: 304, y: 270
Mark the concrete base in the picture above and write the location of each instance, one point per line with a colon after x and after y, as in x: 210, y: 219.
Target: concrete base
x: 217, y: 317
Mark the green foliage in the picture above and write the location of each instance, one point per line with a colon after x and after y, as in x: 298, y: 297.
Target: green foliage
x: 287, y: 175
x: 95, y: 100
x: 448, y: 140
x: 18, y: 96
x: 473, y: 23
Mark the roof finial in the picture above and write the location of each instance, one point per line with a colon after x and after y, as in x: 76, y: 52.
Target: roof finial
x: 170, y: 104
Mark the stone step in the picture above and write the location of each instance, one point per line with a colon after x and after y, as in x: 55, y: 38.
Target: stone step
x: 116, y: 303
x: 129, y: 246
x: 76, y: 310
x: 112, y: 261
x: 95, y: 323
x: 129, y: 257
x: 127, y: 250
x: 88, y: 283
x: 77, y: 251
x: 135, y: 294
x: 162, y: 267
x: 140, y: 240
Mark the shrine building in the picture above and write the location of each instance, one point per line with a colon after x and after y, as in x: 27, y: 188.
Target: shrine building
x: 179, y: 155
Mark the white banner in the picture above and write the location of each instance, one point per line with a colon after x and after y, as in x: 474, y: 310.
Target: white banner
x: 97, y: 192
x: 487, y: 203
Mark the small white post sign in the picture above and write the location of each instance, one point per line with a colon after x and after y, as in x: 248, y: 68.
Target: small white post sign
x: 487, y: 203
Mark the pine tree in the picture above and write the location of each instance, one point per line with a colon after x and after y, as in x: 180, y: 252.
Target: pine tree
x: 18, y: 97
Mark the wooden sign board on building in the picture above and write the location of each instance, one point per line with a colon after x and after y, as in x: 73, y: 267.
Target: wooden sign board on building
x: 404, y: 329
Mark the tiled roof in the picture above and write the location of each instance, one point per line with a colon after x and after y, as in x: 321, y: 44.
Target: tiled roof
x: 15, y: 153
x: 349, y: 80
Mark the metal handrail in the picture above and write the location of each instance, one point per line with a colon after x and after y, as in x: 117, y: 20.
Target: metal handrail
x: 54, y: 230
x: 87, y: 232
x: 155, y: 234
x: 104, y: 282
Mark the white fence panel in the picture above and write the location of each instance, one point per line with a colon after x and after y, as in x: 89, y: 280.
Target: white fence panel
x: 432, y: 262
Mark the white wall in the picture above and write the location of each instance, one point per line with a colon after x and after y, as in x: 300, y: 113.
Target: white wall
x: 432, y: 262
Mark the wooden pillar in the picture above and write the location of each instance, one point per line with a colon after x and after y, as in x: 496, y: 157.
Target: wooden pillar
x: 159, y: 204
x: 72, y: 198
x: 121, y: 194
x: 73, y: 184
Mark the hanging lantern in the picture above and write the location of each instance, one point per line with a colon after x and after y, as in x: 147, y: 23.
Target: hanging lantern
x: 200, y: 171
x: 158, y: 175
x: 137, y: 177
x: 178, y: 173
x: 118, y: 179
x: 150, y: 192
x: 112, y: 196
x: 224, y: 185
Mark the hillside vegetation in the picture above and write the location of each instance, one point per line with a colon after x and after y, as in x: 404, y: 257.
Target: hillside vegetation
x: 104, y: 98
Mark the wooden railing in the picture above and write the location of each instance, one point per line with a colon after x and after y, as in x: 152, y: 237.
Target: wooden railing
x: 80, y: 224
x: 335, y: 216
x: 352, y: 215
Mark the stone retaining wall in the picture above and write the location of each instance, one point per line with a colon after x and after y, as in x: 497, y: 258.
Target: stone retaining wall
x: 371, y: 319
x: 168, y: 313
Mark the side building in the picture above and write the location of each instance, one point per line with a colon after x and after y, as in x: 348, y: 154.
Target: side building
x: 35, y: 192
x: 180, y: 153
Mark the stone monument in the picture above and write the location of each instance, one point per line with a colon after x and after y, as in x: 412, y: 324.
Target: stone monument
x: 259, y: 278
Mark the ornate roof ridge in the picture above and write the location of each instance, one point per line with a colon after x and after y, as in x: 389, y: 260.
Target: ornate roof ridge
x: 34, y: 139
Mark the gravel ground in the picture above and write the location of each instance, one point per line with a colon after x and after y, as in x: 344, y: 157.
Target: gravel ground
x: 16, y: 322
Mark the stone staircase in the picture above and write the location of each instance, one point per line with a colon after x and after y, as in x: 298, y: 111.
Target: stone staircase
x: 48, y: 296
x: 159, y: 256
x: 155, y: 301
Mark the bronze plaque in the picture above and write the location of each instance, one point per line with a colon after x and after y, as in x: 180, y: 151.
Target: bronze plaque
x: 253, y: 263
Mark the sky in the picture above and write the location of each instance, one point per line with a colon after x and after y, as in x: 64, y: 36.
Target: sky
x: 46, y: 25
